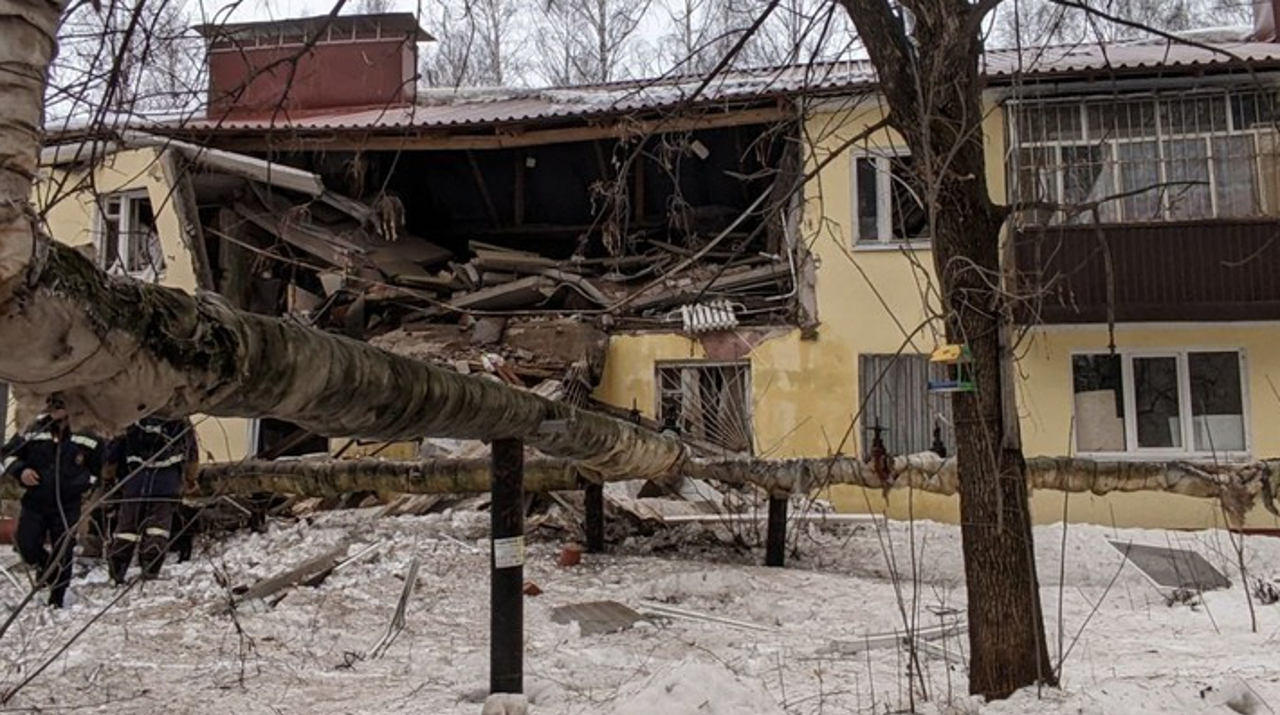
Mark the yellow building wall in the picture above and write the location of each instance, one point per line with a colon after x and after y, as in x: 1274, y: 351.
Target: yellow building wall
x: 67, y: 200
x: 805, y: 393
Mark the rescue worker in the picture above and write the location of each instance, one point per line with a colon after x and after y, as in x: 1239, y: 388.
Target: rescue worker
x: 56, y: 465
x: 150, y: 458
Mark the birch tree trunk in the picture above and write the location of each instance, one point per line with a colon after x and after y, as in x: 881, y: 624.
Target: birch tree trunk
x: 119, y: 349
x: 27, y: 44
x: 932, y: 86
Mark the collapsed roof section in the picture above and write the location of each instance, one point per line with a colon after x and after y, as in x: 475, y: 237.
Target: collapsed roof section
x: 515, y: 262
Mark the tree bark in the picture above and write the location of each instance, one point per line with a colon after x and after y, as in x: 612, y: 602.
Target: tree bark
x: 933, y: 88
x: 27, y: 44
x: 118, y: 350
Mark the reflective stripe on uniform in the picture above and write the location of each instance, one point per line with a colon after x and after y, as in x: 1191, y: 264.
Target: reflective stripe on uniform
x: 156, y: 463
x: 124, y: 536
x: 157, y: 531
x: 8, y: 462
x: 83, y: 441
x: 39, y: 436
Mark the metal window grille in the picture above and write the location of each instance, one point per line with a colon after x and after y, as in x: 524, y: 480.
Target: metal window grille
x: 895, y: 395
x: 1157, y: 157
x: 710, y: 401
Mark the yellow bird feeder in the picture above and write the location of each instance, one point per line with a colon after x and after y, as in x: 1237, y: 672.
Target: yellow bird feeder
x: 957, y: 364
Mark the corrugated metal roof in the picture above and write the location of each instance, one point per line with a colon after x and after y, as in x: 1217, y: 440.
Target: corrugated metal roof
x: 471, y: 107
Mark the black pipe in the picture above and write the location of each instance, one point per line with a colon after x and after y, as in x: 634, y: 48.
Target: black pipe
x: 506, y: 597
x: 775, y: 553
x: 593, y: 494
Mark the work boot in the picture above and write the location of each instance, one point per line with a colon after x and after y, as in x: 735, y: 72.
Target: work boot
x: 118, y: 567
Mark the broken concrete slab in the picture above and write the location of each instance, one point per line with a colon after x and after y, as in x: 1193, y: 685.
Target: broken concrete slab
x: 1174, y: 569
x: 596, y: 617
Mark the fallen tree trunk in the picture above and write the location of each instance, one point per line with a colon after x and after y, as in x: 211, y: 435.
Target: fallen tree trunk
x: 1239, y: 487
x: 118, y: 350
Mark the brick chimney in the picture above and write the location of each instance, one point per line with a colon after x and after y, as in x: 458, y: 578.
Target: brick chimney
x: 257, y: 69
x: 1266, y: 17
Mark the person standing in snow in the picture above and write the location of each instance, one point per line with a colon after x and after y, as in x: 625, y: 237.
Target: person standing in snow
x: 56, y: 465
x: 151, y: 458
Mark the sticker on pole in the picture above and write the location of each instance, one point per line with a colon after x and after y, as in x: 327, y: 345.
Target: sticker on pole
x: 508, y: 552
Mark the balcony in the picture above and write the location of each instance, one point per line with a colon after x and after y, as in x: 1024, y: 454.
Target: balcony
x: 1224, y: 270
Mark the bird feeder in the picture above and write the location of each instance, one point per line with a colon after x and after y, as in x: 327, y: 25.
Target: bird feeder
x: 957, y: 366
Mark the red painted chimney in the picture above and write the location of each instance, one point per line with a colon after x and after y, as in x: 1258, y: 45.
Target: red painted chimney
x: 1266, y: 17
x: 312, y: 63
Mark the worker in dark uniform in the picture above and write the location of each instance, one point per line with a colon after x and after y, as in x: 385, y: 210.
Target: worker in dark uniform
x: 56, y: 465
x: 150, y: 459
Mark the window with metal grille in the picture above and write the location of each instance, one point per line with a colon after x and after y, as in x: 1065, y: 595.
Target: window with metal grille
x: 1156, y: 157
x: 895, y: 395
x: 710, y: 401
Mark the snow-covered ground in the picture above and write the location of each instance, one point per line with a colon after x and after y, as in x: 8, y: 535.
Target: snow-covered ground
x: 166, y: 648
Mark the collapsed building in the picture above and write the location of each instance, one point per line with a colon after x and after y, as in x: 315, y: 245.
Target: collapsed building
x: 504, y: 231
x: 653, y: 249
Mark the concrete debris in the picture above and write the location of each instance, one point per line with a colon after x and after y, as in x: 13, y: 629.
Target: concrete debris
x: 596, y: 617
x: 1173, y: 569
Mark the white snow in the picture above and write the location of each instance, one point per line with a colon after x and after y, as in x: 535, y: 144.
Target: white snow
x: 166, y: 648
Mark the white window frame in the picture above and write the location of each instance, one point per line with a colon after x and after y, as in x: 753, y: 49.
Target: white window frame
x: 1159, y: 135
x: 118, y: 264
x: 884, y: 205
x: 1185, y: 413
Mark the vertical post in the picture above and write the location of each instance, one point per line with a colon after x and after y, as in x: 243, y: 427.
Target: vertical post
x: 775, y: 548
x: 594, y: 497
x: 506, y: 597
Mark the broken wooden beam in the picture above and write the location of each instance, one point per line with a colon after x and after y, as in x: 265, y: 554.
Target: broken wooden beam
x: 728, y: 280
x: 523, y: 293
x: 311, y: 572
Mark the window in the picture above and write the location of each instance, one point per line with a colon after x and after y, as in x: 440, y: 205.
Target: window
x: 895, y: 394
x: 272, y: 439
x: 889, y: 200
x: 1163, y: 157
x: 708, y: 401
x: 127, y: 238
x: 1186, y: 402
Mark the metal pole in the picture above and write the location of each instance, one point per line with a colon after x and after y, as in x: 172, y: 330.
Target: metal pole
x: 506, y: 597
x: 593, y: 494
x: 775, y: 550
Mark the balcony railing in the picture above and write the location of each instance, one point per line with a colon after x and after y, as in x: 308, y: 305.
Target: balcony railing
x: 1194, y: 271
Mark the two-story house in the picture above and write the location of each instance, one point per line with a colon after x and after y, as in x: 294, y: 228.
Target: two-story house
x: 749, y: 310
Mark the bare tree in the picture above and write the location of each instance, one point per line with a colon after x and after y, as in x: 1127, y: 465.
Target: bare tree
x: 478, y: 43
x: 698, y: 34
x: 932, y: 87
x: 128, y: 56
x: 1039, y: 22
x: 798, y: 31
x: 372, y: 7
x: 590, y: 41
